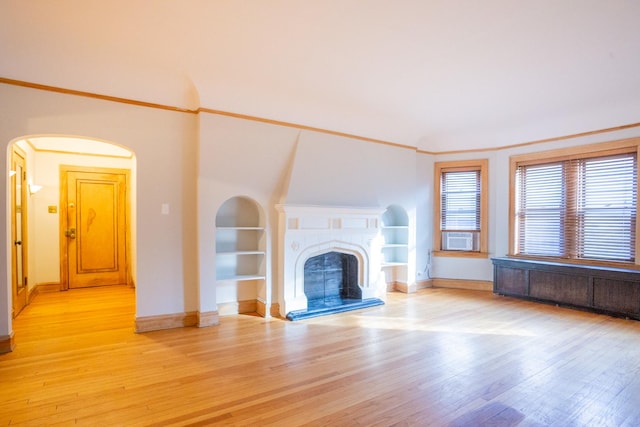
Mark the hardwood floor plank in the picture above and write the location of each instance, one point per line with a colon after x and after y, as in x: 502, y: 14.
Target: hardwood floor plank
x: 435, y: 357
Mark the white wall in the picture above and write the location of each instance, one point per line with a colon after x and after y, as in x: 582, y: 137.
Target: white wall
x: 330, y: 170
x: 424, y: 216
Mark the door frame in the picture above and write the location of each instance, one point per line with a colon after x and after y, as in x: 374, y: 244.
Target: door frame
x: 17, y: 151
x: 64, y: 249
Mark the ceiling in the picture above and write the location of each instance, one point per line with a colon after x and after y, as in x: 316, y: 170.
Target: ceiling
x: 438, y: 75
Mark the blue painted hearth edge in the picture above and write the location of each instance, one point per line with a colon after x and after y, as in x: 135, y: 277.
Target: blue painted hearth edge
x: 356, y: 305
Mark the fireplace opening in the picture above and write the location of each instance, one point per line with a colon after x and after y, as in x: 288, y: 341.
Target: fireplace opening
x: 331, y: 280
x: 331, y: 286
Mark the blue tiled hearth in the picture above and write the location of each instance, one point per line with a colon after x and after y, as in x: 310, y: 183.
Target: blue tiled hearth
x: 331, y: 286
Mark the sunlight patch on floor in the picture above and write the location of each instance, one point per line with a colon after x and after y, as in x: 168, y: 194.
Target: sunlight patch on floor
x: 408, y: 324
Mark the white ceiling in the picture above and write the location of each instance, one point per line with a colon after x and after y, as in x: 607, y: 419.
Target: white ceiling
x: 438, y: 75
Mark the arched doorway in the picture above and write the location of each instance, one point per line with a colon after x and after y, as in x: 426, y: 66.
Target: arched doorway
x: 47, y: 160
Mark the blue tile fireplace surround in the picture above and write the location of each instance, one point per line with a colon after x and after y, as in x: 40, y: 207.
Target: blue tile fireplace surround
x: 331, y: 286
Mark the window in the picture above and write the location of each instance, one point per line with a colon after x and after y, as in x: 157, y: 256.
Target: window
x: 461, y: 208
x: 581, y: 206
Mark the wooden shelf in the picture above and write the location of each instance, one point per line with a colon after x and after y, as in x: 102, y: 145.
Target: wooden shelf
x: 394, y: 264
x: 241, y: 278
x: 241, y: 228
x: 242, y: 253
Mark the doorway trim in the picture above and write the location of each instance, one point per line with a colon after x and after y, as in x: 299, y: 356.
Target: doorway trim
x: 64, y: 247
x: 20, y: 294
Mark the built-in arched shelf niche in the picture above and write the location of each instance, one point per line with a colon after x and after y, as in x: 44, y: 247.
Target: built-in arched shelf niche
x: 241, y: 257
x: 395, y: 246
x: 395, y: 236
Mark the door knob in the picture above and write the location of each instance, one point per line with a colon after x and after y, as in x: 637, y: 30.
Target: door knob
x: 70, y: 233
x: 17, y: 242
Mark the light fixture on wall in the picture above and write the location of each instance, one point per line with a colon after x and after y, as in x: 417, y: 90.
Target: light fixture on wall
x: 33, y: 188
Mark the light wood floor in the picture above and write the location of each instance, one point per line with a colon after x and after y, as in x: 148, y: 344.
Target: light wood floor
x: 437, y: 357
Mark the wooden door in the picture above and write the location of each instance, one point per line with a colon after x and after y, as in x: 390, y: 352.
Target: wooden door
x: 94, y: 231
x: 18, y: 231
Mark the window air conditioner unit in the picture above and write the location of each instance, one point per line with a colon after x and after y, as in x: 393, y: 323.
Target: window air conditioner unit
x: 461, y: 241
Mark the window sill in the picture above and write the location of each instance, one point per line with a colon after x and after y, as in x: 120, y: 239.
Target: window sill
x: 460, y: 254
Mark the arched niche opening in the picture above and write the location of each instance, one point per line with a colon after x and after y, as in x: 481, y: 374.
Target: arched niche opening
x: 395, y: 246
x: 241, y: 278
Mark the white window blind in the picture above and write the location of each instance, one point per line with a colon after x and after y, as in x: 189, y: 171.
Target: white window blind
x: 578, y: 208
x: 460, y: 209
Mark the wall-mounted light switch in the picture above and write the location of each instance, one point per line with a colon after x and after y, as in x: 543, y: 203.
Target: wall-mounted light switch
x: 53, y: 209
x: 164, y: 209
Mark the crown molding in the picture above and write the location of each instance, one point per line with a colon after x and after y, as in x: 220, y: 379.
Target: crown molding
x: 299, y: 126
x: 94, y: 95
x: 305, y: 127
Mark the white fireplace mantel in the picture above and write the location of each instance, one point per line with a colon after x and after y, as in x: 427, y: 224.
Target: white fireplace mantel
x: 305, y: 231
